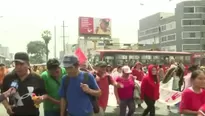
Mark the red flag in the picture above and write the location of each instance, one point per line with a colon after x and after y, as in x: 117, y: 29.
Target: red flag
x: 81, y: 56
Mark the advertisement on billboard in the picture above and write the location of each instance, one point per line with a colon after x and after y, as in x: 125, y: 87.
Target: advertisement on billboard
x: 94, y: 26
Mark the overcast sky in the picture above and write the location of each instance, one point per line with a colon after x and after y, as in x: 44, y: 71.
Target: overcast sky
x: 23, y: 21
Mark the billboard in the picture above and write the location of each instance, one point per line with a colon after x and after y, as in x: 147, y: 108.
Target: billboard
x: 94, y: 26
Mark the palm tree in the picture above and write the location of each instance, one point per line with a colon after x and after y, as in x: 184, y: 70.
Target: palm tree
x: 46, y: 35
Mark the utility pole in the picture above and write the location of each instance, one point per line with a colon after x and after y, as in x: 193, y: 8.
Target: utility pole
x: 64, y: 36
x: 55, y: 41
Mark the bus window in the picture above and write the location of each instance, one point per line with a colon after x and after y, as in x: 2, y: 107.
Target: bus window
x: 121, y: 59
x: 133, y: 59
x: 165, y: 60
x: 109, y: 59
x: 95, y: 59
x: 156, y: 59
x: 187, y: 59
x: 146, y: 59
x: 179, y: 59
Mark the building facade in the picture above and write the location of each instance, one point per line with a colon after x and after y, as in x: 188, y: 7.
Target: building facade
x: 4, y: 51
x: 182, y: 31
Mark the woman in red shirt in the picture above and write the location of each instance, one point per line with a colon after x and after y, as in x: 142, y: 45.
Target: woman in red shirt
x: 124, y: 95
x: 136, y: 71
x: 193, y: 97
x: 150, y: 90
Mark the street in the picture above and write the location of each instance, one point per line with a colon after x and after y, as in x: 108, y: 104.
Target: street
x: 113, y: 110
x: 161, y: 110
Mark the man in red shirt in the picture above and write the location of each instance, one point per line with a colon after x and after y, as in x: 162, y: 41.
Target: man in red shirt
x: 104, y: 80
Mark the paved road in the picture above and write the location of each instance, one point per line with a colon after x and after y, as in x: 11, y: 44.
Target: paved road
x: 161, y: 110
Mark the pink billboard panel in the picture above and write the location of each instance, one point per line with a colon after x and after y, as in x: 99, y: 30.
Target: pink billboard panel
x: 94, y: 26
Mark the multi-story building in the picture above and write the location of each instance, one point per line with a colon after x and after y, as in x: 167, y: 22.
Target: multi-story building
x: 90, y: 45
x: 182, y: 31
x: 4, y: 51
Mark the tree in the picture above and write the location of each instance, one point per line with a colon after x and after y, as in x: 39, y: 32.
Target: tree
x: 46, y: 35
x: 36, y: 51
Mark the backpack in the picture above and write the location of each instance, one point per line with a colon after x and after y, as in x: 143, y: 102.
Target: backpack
x: 93, y: 99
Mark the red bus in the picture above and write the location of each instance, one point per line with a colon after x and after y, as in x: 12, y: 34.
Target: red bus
x: 130, y: 57
x: 198, y: 58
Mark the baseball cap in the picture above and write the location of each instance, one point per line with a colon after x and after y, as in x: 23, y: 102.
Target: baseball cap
x: 69, y: 61
x: 52, y: 63
x: 21, y: 57
x: 126, y: 69
x: 101, y: 64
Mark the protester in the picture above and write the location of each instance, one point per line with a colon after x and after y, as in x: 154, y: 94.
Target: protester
x: 35, y: 69
x: 7, y: 94
x: 104, y: 80
x: 193, y: 97
x: 109, y: 69
x: 150, y: 90
x: 52, y: 79
x: 201, y: 111
x: 138, y: 72
x: 117, y: 72
x: 21, y: 103
x: 75, y: 91
x: 161, y: 73
x: 3, y: 72
x: 187, y: 78
x: 124, y: 95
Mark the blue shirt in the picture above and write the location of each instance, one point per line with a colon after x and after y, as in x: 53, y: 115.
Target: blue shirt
x: 78, y: 101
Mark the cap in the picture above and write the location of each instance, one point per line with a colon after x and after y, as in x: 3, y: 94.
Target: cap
x: 126, y: 69
x: 109, y: 65
x: 21, y: 57
x: 101, y: 64
x: 52, y: 63
x: 1, y: 64
x: 69, y: 61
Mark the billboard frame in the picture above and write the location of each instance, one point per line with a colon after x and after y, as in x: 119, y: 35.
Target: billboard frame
x: 91, y: 35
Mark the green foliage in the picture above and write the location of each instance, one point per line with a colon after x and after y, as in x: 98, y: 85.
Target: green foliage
x: 36, y: 51
x: 46, y: 35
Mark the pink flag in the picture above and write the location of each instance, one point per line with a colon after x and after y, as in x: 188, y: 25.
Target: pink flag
x: 81, y: 56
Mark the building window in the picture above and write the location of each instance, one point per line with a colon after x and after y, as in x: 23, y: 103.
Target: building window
x: 192, y: 35
x: 164, y: 39
x: 141, y: 33
x: 203, y: 22
x: 163, y: 28
x: 188, y: 9
x: 168, y: 26
x: 191, y: 47
x: 155, y: 30
x: 193, y: 22
x: 150, y: 41
x: 169, y: 48
x: 200, y: 9
x: 149, y: 31
x: 171, y: 37
x: 167, y: 38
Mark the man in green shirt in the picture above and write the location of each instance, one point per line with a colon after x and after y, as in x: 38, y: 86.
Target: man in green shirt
x: 52, y: 79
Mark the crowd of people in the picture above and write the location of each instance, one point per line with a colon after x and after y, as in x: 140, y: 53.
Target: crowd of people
x: 73, y: 89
